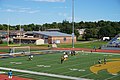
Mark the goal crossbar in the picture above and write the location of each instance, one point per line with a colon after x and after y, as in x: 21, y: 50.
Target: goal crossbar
x: 20, y: 50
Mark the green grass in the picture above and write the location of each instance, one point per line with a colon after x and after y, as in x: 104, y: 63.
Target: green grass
x: 77, y: 45
x: 83, y: 44
x: 80, y: 61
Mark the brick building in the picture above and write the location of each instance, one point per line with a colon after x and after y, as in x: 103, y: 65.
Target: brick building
x: 54, y: 37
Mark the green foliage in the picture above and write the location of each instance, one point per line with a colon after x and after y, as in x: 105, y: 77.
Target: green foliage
x: 66, y: 27
x: 90, y: 33
x: 107, y: 31
x: 93, y: 29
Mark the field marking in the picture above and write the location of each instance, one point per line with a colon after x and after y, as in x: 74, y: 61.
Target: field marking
x: 112, y: 77
x: 60, y: 67
x: 44, y: 74
x: 43, y: 66
x: 2, y: 72
x: 75, y: 69
x: 64, y: 67
x: 105, y: 79
x: 89, y: 74
x: 16, y: 62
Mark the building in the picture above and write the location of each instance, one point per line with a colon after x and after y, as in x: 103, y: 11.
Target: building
x: 53, y: 29
x: 49, y: 37
x: 3, y: 34
x: 11, y: 33
x: 54, y: 37
x: 81, y: 31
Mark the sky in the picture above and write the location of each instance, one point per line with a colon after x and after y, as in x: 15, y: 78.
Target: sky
x: 47, y: 11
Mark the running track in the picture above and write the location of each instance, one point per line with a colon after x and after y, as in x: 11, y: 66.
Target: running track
x: 77, y: 49
x: 89, y: 50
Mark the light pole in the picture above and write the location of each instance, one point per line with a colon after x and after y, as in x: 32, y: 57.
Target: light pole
x: 72, y: 23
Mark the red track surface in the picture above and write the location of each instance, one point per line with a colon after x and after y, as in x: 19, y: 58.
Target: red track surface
x: 89, y: 50
x: 5, y: 77
x: 78, y: 49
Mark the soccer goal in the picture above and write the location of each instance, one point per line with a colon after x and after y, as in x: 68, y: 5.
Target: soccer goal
x: 20, y: 50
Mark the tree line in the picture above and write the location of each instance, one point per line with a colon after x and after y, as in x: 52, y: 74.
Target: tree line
x: 97, y: 29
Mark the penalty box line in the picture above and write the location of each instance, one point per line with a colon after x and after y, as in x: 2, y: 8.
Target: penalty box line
x: 44, y: 74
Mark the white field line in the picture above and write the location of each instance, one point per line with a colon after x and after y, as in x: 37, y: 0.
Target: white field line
x: 91, y: 74
x: 110, y: 78
x: 65, y: 67
x: 47, y: 62
x: 86, y: 74
x: 61, y: 67
x: 101, y: 71
x: 43, y: 74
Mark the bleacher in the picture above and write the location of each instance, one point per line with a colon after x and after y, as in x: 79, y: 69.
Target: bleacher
x: 113, y: 43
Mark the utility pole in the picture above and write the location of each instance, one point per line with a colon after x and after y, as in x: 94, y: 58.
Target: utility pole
x: 72, y: 23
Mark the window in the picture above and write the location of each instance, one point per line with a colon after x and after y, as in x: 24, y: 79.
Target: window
x: 64, y: 38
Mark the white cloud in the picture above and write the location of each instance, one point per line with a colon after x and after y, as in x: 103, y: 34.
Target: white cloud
x: 62, y: 14
x: 25, y: 8
x: 49, y: 0
x: 9, y: 10
x: 60, y: 7
x: 34, y: 11
x: 20, y: 10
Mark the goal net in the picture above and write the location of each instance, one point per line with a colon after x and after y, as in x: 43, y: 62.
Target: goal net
x: 20, y: 50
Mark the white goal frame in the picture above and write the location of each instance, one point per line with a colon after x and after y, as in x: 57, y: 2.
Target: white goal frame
x: 21, y: 50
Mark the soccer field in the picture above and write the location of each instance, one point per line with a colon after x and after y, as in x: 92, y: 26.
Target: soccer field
x: 78, y: 66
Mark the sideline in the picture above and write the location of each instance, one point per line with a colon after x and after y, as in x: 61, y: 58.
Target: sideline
x: 44, y: 74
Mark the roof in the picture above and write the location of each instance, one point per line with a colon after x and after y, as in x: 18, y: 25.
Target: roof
x: 53, y: 29
x: 53, y: 33
x: 26, y: 38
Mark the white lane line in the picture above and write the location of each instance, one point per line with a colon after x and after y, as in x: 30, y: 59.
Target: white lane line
x: 44, y: 74
x: 112, y: 77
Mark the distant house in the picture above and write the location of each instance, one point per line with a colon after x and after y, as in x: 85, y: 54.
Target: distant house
x: 12, y: 33
x: 81, y: 31
x: 3, y: 34
x: 16, y: 33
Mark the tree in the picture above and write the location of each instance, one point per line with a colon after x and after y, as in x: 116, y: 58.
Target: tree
x: 107, y: 31
x: 87, y: 35
x: 66, y: 27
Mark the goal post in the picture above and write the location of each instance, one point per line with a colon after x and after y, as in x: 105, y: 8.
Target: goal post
x: 20, y: 50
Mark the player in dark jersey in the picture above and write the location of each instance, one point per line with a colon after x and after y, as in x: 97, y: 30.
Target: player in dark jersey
x: 10, y: 74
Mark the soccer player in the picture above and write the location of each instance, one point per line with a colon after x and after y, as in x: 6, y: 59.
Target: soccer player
x: 104, y: 60
x: 94, y: 48
x: 62, y: 59
x: 23, y: 52
x: 91, y: 51
x: 65, y: 56
x: 10, y: 74
x: 99, y: 62
x: 72, y: 53
x: 30, y: 57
